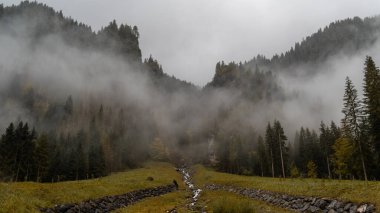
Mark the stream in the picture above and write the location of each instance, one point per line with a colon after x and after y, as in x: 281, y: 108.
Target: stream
x: 196, y: 192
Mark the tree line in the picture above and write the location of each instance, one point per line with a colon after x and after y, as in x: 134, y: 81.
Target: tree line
x: 349, y: 150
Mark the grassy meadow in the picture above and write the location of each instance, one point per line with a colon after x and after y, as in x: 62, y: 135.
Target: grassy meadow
x: 349, y: 190
x: 30, y: 196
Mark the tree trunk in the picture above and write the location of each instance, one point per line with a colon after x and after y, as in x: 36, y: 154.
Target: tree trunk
x: 271, y: 155
x: 328, y: 166
x: 362, y: 159
x: 38, y: 174
x: 282, y: 159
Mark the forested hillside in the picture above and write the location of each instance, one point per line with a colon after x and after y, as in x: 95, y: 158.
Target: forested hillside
x: 64, y: 126
x: 77, y: 104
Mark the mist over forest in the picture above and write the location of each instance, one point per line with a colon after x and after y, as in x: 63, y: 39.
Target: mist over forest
x: 71, y: 91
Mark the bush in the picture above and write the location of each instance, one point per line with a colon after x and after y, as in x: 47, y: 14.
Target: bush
x: 294, y: 172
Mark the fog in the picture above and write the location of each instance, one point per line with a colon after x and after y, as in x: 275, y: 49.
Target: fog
x: 189, y: 37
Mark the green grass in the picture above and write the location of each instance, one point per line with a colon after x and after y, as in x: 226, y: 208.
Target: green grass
x: 29, y: 196
x: 161, y: 203
x: 349, y: 190
x: 225, y: 202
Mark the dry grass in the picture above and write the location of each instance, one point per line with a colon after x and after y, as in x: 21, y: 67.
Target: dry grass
x: 349, y: 190
x: 29, y: 196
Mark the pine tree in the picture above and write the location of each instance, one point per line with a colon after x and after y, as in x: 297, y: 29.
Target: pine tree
x: 371, y: 102
x: 351, y: 120
x: 270, y: 143
x: 280, y: 139
x: 262, y: 157
x: 343, y: 151
x: 294, y: 172
x: 96, y: 162
x: 302, y: 156
x: 324, y: 140
x: 311, y: 170
x: 7, y: 151
x: 41, y: 155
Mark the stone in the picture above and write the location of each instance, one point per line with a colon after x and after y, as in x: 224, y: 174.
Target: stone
x: 313, y: 209
x: 353, y: 209
x: 322, y: 204
x: 371, y: 208
x: 338, y: 205
x: 331, y: 211
x: 347, y: 206
x: 332, y: 204
x: 362, y: 208
x: 305, y: 207
x: 313, y: 201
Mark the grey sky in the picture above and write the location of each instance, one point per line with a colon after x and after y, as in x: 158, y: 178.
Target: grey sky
x: 188, y: 37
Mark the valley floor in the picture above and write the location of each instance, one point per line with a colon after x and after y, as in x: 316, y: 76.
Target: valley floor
x: 30, y: 197
x: 344, y: 190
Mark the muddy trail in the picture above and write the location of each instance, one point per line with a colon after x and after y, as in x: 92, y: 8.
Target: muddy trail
x: 110, y: 203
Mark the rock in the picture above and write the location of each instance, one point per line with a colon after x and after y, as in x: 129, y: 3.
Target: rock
x: 371, y: 208
x: 321, y: 204
x: 298, y: 203
x: 362, y: 208
x: 313, y: 209
x: 347, y: 206
x: 313, y: 201
x: 110, y: 203
x: 353, y: 209
x: 338, y: 205
x: 305, y: 207
x: 332, y: 204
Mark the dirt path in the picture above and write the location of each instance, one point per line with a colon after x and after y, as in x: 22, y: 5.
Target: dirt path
x: 109, y: 203
x: 298, y: 203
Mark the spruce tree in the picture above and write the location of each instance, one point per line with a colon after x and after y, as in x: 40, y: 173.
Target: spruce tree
x: 351, y: 120
x: 7, y: 151
x: 270, y: 143
x: 280, y: 139
x: 371, y: 102
x: 262, y: 157
x: 324, y: 140
x: 41, y: 155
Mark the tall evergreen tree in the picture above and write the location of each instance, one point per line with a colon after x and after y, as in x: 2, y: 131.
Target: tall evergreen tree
x: 351, y: 120
x: 280, y: 139
x: 270, y: 143
x: 41, y: 155
x: 262, y: 157
x: 371, y: 102
x: 325, y: 142
x: 7, y: 151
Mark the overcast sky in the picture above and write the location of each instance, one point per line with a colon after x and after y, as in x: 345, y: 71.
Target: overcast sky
x: 188, y: 37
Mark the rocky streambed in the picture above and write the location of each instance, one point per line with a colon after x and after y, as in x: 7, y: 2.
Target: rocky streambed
x: 298, y: 203
x: 109, y: 203
x: 196, y: 192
